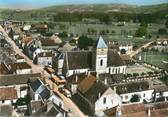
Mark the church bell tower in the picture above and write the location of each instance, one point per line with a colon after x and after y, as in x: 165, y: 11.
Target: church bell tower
x: 101, y: 56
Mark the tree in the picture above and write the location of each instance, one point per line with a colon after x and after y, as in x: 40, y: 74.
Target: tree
x: 142, y: 31
x: 166, y: 24
x: 103, y: 32
x: 88, y: 31
x: 135, y: 98
x: 84, y: 42
x: 105, y: 19
x: 162, y: 31
x: 135, y: 74
x: 63, y: 34
x: 123, y: 51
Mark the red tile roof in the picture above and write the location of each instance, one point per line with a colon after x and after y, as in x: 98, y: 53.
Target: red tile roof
x: 8, y: 93
x: 133, y: 108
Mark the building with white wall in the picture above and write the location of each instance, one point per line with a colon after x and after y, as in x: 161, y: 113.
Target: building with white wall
x: 101, y: 60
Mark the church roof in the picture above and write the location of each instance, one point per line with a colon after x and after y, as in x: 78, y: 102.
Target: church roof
x: 101, y: 43
x: 114, y: 59
x: 79, y: 60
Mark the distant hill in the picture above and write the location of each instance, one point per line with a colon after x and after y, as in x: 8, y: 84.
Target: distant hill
x: 87, y: 8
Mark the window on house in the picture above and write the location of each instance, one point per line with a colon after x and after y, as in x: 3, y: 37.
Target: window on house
x: 126, y: 97
x: 109, y: 70
x: 104, y: 100
x: 3, y: 101
x: 101, y: 62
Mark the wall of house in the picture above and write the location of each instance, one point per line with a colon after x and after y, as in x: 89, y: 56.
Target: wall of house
x: 112, y: 100
x: 165, y: 93
x: 60, y: 65
x: 23, y: 71
x: 76, y: 71
x: 147, y: 95
x: 20, y: 60
x: 8, y: 101
x: 44, y: 61
x: 57, y: 100
x: 127, y: 48
x: 116, y: 70
x: 74, y: 88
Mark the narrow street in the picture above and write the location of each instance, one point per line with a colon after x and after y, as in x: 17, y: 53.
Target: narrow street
x: 68, y: 104
x: 140, y: 49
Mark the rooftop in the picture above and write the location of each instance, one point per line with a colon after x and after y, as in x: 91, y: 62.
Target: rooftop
x: 101, y: 43
x: 8, y: 93
x: 131, y: 87
x: 22, y: 65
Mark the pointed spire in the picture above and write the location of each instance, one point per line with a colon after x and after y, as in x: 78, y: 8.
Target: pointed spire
x: 101, y: 43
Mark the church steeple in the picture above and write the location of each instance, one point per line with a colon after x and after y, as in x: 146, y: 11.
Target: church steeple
x: 101, y: 44
x: 101, y: 56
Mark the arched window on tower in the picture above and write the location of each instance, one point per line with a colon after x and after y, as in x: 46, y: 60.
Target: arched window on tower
x: 101, y: 62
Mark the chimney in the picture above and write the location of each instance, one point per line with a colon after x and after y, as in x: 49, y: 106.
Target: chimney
x: 76, y: 78
x: 114, y: 89
x: 149, y: 112
x: 118, y: 111
x: 105, y: 81
x: 44, y: 54
x: 88, y: 73
x: 99, y: 95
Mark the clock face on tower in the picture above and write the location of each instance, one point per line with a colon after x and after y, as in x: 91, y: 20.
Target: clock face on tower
x: 101, y: 51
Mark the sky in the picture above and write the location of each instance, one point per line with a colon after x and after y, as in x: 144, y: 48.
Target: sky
x: 45, y: 3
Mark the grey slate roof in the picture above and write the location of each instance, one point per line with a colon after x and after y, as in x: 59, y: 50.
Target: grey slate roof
x: 17, y: 79
x: 132, y: 87
x: 35, y: 84
x: 80, y: 60
x: 95, y: 91
x: 114, y: 59
x: 45, y: 94
x: 39, y: 88
x: 101, y: 43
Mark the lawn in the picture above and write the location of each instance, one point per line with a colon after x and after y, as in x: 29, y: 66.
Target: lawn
x: 137, y: 69
x: 155, y: 58
x: 120, y: 32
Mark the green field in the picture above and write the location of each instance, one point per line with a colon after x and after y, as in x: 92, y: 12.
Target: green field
x: 121, y: 32
x: 155, y: 58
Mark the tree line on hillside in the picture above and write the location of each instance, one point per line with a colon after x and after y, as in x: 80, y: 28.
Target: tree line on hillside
x: 115, y: 16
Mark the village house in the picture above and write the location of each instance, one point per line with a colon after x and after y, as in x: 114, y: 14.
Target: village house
x: 42, y: 95
x: 19, y: 59
x: 139, y: 110
x: 40, y: 27
x: 96, y: 96
x: 32, y: 48
x: 20, y: 68
x: 38, y: 91
x: 18, y: 81
x: 49, y: 109
x: 44, y: 58
x: 51, y: 43
x: 101, y: 60
x: 128, y: 90
x: 8, y: 95
x: 74, y: 80
x: 125, y: 47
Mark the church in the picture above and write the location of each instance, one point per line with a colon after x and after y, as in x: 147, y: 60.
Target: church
x: 100, y: 60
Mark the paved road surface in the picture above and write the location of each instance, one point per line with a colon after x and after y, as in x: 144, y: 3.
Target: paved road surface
x: 140, y: 49
x: 68, y: 104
